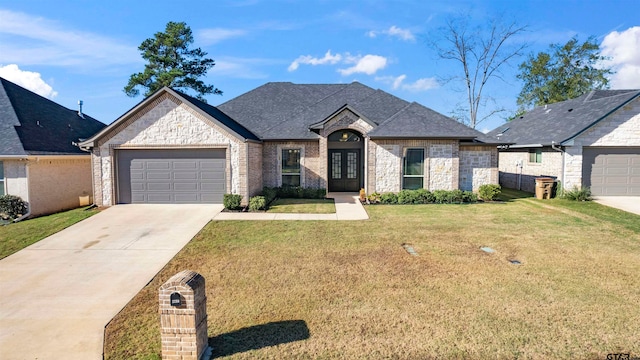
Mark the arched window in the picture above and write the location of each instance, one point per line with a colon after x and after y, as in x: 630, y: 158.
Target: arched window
x: 345, y: 136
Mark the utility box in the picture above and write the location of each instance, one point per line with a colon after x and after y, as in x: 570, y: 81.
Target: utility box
x: 544, y: 187
x: 183, y: 316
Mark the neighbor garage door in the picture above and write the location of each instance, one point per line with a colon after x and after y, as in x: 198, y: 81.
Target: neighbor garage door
x: 171, y: 176
x: 611, y: 171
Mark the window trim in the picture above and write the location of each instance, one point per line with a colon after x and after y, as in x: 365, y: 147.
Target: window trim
x: 536, y: 154
x: 280, y: 150
x: 3, y: 187
x: 404, y: 166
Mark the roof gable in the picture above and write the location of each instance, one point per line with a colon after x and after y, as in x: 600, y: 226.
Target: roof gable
x: 34, y: 125
x: 562, y: 121
x: 208, y: 111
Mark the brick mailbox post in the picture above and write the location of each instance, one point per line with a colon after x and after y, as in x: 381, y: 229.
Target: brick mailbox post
x: 183, y: 316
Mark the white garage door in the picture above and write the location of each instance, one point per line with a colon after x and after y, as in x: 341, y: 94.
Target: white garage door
x: 188, y: 176
x: 612, y: 171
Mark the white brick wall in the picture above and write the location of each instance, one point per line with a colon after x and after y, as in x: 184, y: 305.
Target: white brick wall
x: 166, y: 124
x: 440, y: 167
x: 551, y: 165
x: 475, y: 169
x: 388, y: 168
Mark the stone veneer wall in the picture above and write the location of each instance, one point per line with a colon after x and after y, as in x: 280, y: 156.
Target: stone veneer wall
x: 385, y: 164
x: 478, y: 166
x: 309, y: 162
x: 166, y: 123
x: 619, y: 129
x: 551, y: 166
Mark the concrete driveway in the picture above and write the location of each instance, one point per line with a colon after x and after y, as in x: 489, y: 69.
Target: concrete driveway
x: 57, y: 295
x: 627, y: 203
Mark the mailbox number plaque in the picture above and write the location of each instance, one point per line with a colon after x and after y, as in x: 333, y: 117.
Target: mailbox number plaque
x: 175, y: 299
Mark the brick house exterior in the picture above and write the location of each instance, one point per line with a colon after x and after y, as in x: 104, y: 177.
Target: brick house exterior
x: 591, y: 141
x: 341, y: 137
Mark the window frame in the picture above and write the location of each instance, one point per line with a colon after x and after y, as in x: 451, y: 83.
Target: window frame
x: 406, y: 176
x: 287, y: 173
x: 3, y: 190
x: 535, y: 156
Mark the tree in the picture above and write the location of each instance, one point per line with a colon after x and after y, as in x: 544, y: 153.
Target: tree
x: 565, y: 72
x: 171, y: 63
x: 480, y: 52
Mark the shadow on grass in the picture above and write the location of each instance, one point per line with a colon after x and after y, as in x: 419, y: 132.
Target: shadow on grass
x: 258, y: 337
x: 512, y: 194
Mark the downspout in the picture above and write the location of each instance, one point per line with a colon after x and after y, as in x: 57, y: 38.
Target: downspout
x: 22, y: 217
x: 556, y: 148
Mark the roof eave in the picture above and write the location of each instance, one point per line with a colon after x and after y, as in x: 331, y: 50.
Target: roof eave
x: 407, y: 137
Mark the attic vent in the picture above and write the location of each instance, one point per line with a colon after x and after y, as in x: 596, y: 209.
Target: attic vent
x: 80, y: 109
x: 570, y: 110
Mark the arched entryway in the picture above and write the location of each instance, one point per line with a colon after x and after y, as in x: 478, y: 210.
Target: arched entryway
x: 346, y: 169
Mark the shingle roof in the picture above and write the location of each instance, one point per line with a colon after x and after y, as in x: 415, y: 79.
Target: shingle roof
x: 560, y: 122
x: 286, y: 111
x: 33, y: 125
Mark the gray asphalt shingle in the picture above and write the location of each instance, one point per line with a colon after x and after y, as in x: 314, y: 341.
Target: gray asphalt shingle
x: 559, y: 122
x: 34, y: 125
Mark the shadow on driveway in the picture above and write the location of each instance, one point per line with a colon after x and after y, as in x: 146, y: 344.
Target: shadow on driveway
x: 258, y: 337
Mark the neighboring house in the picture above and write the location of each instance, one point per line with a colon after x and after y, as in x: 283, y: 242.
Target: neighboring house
x: 172, y: 148
x: 39, y: 157
x: 591, y: 141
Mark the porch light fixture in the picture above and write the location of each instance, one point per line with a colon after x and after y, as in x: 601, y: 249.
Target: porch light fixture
x: 345, y: 136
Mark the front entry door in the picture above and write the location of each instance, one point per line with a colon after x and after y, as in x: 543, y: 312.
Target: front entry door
x: 344, y: 170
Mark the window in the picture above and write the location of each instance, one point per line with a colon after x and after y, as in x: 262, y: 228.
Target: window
x: 535, y: 156
x: 1, y: 178
x: 290, y: 167
x: 413, y: 169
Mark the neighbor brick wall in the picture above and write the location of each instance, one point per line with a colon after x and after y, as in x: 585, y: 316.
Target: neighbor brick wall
x: 56, y: 185
x: 551, y: 166
x: 621, y: 128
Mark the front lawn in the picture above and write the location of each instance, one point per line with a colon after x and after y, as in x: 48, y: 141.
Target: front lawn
x: 338, y: 289
x: 17, y: 236
x: 303, y: 206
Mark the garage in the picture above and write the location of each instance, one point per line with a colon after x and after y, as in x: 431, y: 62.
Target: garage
x: 171, y: 176
x: 612, y: 171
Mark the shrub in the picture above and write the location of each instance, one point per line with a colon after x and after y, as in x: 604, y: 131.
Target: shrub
x: 469, y: 197
x: 232, y: 201
x: 269, y: 194
x: 410, y: 197
x: 577, y: 194
x: 388, y: 198
x: 314, y: 193
x: 374, y: 198
x: 257, y: 203
x: 424, y: 196
x: 441, y: 197
x: 12, y: 207
x: 489, y: 192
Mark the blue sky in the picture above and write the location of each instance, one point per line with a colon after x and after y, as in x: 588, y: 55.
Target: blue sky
x: 71, y: 50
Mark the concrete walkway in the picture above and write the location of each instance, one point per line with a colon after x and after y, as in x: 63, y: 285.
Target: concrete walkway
x: 348, y: 207
x: 627, y: 203
x: 58, y: 294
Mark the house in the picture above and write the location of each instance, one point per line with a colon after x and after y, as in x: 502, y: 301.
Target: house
x: 590, y: 141
x: 173, y: 148
x: 39, y: 160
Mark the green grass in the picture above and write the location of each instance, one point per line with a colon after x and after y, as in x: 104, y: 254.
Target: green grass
x: 16, y: 236
x: 337, y: 289
x: 303, y: 206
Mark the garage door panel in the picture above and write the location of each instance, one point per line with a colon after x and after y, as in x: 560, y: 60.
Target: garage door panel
x: 612, y: 171
x: 171, y: 176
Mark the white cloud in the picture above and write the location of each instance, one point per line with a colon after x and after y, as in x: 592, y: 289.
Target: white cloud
x: 422, y: 85
x: 216, y: 35
x: 394, y: 31
x: 310, y: 60
x: 240, y: 68
x: 397, y: 82
x: 368, y: 64
x: 27, y: 79
x: 30, y: 40
x: 624, y: 50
